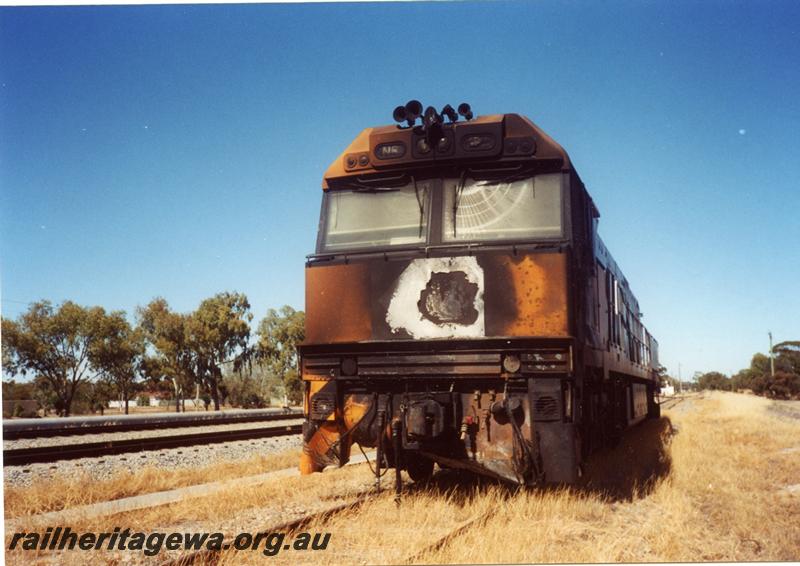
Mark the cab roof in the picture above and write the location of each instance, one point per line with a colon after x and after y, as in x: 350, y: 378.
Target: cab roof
x: 500, y: 138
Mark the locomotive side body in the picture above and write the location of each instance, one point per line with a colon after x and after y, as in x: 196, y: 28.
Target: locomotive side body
x: 461, y: 309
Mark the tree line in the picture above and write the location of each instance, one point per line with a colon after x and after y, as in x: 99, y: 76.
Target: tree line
x: 88, y: 356
x: 778, y: 378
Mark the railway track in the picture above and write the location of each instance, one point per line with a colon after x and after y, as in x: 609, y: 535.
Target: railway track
x: 72, y: 426
x: 454, y: 533
x: 211, y: 557
x: 54, y: 453
x: 208, y: 557
x: 670, y: 402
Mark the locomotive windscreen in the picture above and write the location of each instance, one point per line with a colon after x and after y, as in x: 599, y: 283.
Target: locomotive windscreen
x: 518, y: 209
x: 376, y: 217
x: 501, y: 210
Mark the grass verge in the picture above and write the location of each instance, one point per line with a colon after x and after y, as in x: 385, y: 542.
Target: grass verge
x: 62, y: 492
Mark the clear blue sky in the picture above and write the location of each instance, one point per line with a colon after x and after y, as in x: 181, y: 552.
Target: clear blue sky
x: 177, y: 151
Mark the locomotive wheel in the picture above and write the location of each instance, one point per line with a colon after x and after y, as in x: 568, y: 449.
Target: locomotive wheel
x: 419, y: 467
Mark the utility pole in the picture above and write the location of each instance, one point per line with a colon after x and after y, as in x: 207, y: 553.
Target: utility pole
x: 680, y: 380
x: 771, y: 357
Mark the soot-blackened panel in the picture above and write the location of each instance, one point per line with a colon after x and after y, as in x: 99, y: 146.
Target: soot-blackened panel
x: 449, y: 297
x: 438, y: 298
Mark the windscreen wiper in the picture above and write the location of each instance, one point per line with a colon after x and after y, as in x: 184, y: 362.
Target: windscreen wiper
x: 499, y: 175
x: 459, y: 189
x: 379, y: 184
x: 421, y: 203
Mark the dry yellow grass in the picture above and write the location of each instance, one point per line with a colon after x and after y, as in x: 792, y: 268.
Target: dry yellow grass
x: 245, y: 509
x: 62, y: 493
x: 718, y: 495
x: 715, y: 491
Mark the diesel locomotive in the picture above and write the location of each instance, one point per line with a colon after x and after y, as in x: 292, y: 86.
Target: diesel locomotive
x: 461, y: 308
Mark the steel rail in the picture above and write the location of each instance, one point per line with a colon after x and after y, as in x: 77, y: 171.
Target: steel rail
x: 210, y: 557
x: 670, y: 402
x: 36, y: 428
x: 46, y: 454
x: 453, y: 533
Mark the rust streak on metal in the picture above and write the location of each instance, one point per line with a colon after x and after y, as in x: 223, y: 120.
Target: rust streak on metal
x: 540, y: 294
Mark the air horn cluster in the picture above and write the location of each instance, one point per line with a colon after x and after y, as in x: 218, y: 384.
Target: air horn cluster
x: 413, y: 110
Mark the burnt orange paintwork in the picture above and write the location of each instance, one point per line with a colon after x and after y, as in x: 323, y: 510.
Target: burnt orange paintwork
x: 524, y: 295
x: 322, y: 449
x: 539, y: 282
x: 338, y: 295
x: 328, y: 445
x: 355, y: 409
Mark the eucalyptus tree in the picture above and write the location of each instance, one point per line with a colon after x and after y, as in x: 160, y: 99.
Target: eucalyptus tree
x: 54, y: 344
x: 99, y: 393
x: 279, y: 333
x: 119, y: 355
x: 788, y: 357
x: 219, y: 334
x: 173, y: 358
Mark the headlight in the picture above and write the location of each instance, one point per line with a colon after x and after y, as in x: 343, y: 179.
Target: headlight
x: 511, y: 363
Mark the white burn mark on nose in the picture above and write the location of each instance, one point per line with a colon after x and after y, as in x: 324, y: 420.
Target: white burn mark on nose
x: 404, y: 312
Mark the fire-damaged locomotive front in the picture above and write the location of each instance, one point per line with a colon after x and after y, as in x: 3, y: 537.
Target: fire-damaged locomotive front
x: 446, y: 305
